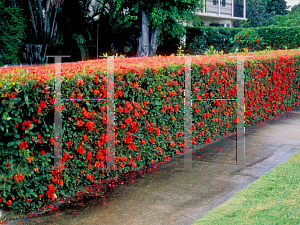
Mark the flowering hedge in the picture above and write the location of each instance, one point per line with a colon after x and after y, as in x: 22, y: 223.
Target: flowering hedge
x: 149, y: 111
x: 199, y: 40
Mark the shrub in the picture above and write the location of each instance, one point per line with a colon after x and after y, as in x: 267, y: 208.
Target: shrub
x: 247, y: 39
x: 11, y: 34
x: 278, y: 38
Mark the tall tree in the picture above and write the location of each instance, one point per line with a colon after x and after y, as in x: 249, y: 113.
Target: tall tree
x: 290, y: 20
x: 295, y: 8
x: 257, y: 15
x: 12, y: 33
x: 53, y: 23
x: 111, y: 18
x: 278, y: 6
x: 157, y: 17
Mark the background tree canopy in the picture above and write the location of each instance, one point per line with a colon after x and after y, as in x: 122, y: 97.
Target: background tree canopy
x: 12, y: 34
x: 289, y: 20
x: 262, y: 12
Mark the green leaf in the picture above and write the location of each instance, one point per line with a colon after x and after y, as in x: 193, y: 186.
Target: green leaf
x: 17, y: 135
x: 26, y: 99
x: 10, y: 144
x: 31, y: 126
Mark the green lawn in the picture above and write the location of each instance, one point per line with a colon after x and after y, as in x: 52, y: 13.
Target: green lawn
x: 273, y: 199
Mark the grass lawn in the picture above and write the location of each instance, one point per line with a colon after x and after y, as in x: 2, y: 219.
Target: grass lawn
x: 273, y: 199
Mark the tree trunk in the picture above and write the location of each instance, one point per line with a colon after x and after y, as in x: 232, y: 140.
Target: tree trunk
x: 32, y: 18
x: 54, y: 22
x: 143, y: 48
x: 41, y: 16
x: 46, y: 16
x: 153, y: 42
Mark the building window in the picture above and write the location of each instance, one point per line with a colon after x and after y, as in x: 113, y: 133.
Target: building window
x: 224, y: 3
x: 215, y: 2
x: 228, y: 24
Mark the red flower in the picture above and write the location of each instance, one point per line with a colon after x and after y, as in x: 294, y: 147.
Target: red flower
x: 30, y: 159
x: 9, y: 203
x: 80, y: 82
x: 97, y: 164
x: 152, y: 140
x: 16, y: 125
x: 172, y: 144
x: 44, y: 153
x: 120, y: 110
x: 122, y: 158
x: 50, y: 192
x: 89, y: 125
x: 85, y: 137
x: 79, y: 123
x: 138, y: 157
x: 143, y: 142
x: 128, y: 120
x: 23, y: 145
x: 42, y: 105
x: 89, y: 155
x: 80, y: 150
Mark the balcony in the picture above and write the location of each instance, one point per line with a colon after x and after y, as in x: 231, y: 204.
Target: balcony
x: 226, y: 9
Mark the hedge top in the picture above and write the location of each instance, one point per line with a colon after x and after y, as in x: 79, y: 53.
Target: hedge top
x: 42, y: 73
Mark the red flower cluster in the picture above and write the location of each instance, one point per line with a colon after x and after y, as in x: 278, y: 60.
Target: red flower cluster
x: 23, y: 145
x: 80, y: 82
x: 30, y: 159
x: 18, y: 178
x: 90, y: 125
x: 26, y: 123
x: 50, y: 192
x: 80, y: 150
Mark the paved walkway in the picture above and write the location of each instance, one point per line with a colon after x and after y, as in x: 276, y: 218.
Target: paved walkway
x: 183, y: 196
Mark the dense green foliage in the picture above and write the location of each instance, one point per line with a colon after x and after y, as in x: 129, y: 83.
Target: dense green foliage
x: 290, y: 20
x: 279, y: 7
x: 166, y: 16
x: 11, y: 34
x: 257, y: 15
x: 199, y: 40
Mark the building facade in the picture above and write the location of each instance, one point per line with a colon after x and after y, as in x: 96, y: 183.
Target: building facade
x: 223, y: 12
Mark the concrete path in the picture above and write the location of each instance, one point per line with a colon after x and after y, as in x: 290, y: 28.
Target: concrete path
x: 182, y: 197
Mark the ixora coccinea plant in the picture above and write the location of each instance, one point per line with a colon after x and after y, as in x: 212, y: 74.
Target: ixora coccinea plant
x: 149, y: 112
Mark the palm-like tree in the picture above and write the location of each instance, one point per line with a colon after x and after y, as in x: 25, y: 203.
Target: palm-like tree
x: 56, y: 23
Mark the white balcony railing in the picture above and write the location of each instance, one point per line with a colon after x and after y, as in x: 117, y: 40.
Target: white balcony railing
x: 225, y: 8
